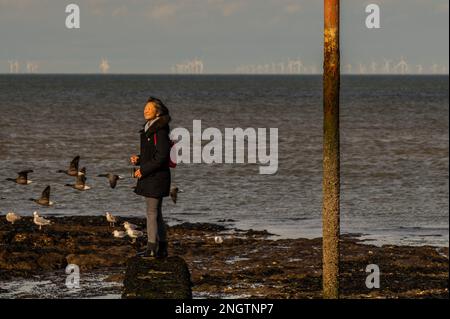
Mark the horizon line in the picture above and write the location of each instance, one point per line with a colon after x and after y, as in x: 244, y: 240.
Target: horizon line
x: 207, y: 74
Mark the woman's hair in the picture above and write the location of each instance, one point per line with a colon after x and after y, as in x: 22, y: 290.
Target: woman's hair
x: 159, y: 105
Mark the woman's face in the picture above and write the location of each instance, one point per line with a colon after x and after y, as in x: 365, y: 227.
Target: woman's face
x: 150, y: 111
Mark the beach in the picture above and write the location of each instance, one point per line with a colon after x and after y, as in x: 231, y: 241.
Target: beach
x: 247, y: 264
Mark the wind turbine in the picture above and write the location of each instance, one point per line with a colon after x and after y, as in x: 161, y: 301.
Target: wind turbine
x: 191, y: 67
x: 402, y: 66
x: 11, y: 66
x: 14, y: 66
x: 290, y: 66
x: 273, y: 68
x: 31, y: 67
x: 104, y: 66
x: 373, y: 67
x: 362, y: 69
x: 348, y: 67
x: 434, y: 68
x: 419, y: 68
x: 298, y: 64
x: 387, y: 66
x: 260, y: 69
x: 200, y: 66
x: 281, y: 66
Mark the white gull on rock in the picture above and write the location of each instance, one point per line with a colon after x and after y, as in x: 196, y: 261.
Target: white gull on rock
x: 119, y: 234
x: 111, y: 219
x: 133, y: 233
x: 40, y: 221
x: 128, y: 225
x: 12, y: 217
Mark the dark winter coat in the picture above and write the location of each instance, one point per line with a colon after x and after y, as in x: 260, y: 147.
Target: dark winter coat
x: 154, y: 160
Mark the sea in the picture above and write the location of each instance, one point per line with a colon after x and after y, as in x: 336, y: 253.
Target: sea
x: 394, y: 133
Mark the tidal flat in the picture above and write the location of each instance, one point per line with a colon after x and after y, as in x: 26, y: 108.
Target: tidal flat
x: 242, y: 264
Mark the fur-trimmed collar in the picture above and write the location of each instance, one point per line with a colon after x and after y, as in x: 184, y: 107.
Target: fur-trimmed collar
x: 157, y: 124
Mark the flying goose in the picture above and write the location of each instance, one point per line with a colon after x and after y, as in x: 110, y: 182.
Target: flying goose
x: 113, y: 178
x: 80, y: 183
x: 45, y: 198
x: 174, y: 193
x: 73, y: 168
x: 22, y: 179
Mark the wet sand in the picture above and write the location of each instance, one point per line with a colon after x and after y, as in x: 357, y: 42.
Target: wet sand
x: 248, y: 264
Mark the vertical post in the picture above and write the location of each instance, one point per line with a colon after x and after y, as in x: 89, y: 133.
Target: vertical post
x: 331, y: 160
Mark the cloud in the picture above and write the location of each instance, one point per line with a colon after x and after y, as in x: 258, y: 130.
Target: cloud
x: 227, y: 8
x: 120, y: 11
x: 164, y: 11
x: 292, y: 8
x: 230, y: 8
x: 22, y: 4
x: 443, y: 7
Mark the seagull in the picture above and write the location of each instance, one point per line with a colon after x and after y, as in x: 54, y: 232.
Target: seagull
x: 174, y: 193
x: 80, y: 183
x: 45, y: 198
x: 40, y: 221
x: 218, y: 239
x: 133, y: 233
x: 73, y: 168
x: 113, y: 178
x: 111, y: 219
x: 128, y: 225
x: 119, y: 234
x: 12, y: 217
x: 22, y: 179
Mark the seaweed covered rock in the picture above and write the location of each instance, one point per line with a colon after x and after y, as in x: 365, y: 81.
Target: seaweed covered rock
x: 157, y: 278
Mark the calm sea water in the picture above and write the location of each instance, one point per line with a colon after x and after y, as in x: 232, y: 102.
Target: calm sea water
x: 394, y: 135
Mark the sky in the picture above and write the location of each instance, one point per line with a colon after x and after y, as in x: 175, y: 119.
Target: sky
x: 138, y: 36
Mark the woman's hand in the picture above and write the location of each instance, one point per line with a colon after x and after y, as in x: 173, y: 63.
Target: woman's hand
x: 138, y: 174
x: 134, y: 159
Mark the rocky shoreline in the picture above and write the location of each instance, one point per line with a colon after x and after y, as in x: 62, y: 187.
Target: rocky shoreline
x: 247, y: 264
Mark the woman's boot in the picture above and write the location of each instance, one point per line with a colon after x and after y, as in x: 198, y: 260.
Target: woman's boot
x: 162, y: 249
x: 151, y: 250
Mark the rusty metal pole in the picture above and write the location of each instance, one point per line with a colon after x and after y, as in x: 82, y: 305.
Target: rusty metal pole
x: 331, y: 158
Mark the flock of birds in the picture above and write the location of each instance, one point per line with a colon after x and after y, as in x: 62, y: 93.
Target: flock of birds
x: 80, y: 185
x: 130, y: 229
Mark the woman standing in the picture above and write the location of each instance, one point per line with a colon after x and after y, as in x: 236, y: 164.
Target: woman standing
x: 154, y: 173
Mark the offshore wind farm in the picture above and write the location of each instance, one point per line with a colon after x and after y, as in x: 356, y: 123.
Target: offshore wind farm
x: 289, y: 66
